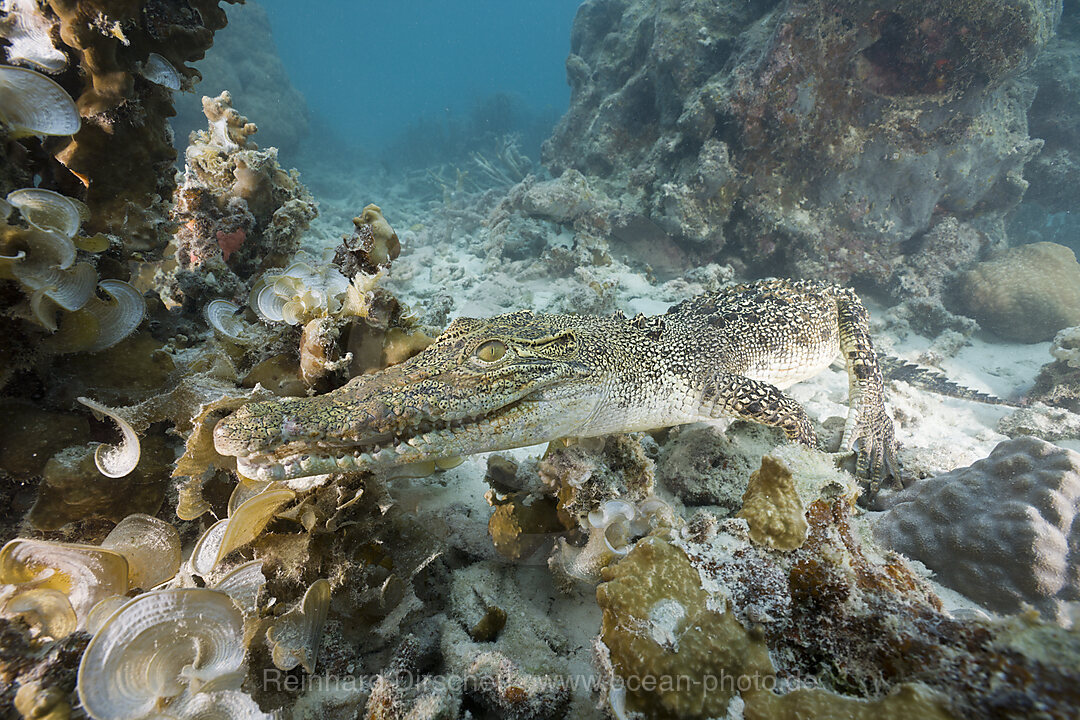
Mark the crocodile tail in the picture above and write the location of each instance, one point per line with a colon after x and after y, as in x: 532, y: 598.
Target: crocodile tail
x: 894, y: 368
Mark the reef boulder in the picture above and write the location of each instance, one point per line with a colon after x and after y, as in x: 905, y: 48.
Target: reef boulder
x: 814, y: 134
x: 1024, y: 294
x: 1002, y: 531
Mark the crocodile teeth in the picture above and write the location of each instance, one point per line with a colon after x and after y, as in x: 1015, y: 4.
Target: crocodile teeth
x: 344, y: 462
x: 246, y: 468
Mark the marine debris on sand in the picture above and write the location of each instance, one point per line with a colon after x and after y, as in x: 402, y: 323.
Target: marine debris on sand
x: 707, y: 570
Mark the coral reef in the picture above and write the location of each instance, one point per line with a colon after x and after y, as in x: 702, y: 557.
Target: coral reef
x: 37, y: 675
x: 1024, y: 294
x: 1054, y: 118
x: 239, y: 212
x: 1066, y: 346
x: 655, y: 587
x: 393, y: 695
x: 815, y: 134
x: 727, y: 573
x: 599, y: 487
x: 832, y: 629
x: 119, y: 160
x: 1001, y: 531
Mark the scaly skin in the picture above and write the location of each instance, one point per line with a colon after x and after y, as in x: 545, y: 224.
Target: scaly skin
x: 524, y: 378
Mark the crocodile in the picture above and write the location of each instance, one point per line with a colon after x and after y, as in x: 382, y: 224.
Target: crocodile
x: 524, y: 378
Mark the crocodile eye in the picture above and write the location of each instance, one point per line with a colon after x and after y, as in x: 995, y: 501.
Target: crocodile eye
x: 491, y: 351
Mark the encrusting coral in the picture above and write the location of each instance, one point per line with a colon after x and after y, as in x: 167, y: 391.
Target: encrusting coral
x: 772, y: 509
x: 700, y: 620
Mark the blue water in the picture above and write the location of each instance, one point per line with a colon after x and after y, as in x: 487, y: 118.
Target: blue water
x: 369, y: 70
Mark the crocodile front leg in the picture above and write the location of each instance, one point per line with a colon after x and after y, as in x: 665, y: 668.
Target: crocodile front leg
x: 869, y: 429
x: 727, y: 394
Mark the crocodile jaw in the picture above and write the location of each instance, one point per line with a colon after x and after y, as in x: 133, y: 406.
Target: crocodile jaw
x: 528, y: 421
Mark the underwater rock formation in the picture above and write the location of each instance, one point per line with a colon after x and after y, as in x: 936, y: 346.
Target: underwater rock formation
x: 947, y: 248
x: 1042, y: 421
x: 817, y: 134
x: 702, y: 557
x: 1054, y: 117
x: 703, y: 465
x: 1058, y: 382
x: 1002, y: 531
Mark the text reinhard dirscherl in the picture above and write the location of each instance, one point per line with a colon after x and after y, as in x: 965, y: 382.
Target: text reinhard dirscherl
x: 278, y: 681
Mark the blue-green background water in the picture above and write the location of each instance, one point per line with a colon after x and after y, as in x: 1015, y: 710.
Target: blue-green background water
x: 369, y: 70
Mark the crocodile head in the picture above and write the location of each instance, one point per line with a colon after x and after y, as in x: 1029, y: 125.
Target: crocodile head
x: 508, y: 381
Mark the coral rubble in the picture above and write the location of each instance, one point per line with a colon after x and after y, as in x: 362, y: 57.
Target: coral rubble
x: 695, y: 623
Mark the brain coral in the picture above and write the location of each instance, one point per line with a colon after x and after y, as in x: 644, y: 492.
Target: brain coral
x: 1025, y: 294
x: 111, y: 54
x: 1002, y: 531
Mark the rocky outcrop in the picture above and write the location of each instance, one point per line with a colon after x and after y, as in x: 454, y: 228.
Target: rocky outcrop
x: 814, y: 134
x: 1055, y: 118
